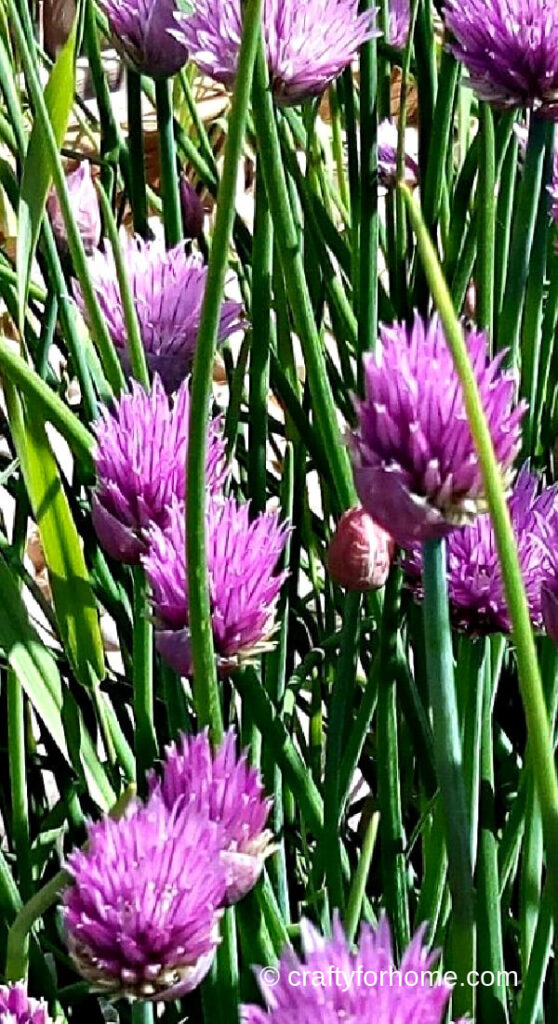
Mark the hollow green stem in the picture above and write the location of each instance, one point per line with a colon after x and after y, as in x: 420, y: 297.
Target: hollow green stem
x: 369, y: 224
x: 346, y: 83
x: 142, y: 1012
x: 509, y: 326
x: 449, y: 766
x: 260, y: 348
x: 528, y: 669
x: 18, y: 935
x: 339, y: 719
x: 206, y: 690
x: 137, y: 355
x: 536, y: 296
x: 138, y: 193
x: 99, y: 330
x: 392, y: 834
x: 146, y: 743
x: 112, y: 144
x: 358, y: 885
x: 337, y: 145
x: 440, y: 137
x: 172, y: 216
x: 288, y: 244
x: 281, y: 747
x: 492, y: 998
x: 18, y: 782
x: 486, y: 222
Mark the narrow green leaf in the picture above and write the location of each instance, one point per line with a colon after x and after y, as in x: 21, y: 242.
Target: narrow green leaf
x: 74, y: 602
x: 38, y: 674
x: 29, y: 658
x: 50, y: 405
x: 37, y: 171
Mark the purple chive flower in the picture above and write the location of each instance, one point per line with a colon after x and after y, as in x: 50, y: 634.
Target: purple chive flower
x: 387, y: 154
x: 224, y: 788
x: 85, y: 207
x: 168, y: 290
x: 307, y: 44
x: 510, y: 49
x: 399, y: 23
x: 243, y: 586
x: 140, y: 33
x: 350, y: 984
x: 140, y: 462
x: 142, y: 914
x: 415, y: 465
x: 476, y: 590
x: 17, y: 1007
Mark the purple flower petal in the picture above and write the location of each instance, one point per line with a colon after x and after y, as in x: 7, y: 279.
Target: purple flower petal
x: 308, y: 44
x: 224, y: 788
x: 242, y: 555
x: 140, y: 32
x: 510, y: 49
x: 142, y: 914
x: 142, y: 443
x: 415, y: 462
x: 331, y: 982
x: 476, y: 590
x: 17, y: 1007
x: 168, y: 288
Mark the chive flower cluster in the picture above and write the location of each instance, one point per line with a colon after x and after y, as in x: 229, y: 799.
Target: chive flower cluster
x: 352, y: 985
x: 142, y: 912
x: 18, y: 1007
x: 307, y: 44
x: 418, y: 475
x: 139, y: 515
x: 168, y: 288
x: 509, y: 48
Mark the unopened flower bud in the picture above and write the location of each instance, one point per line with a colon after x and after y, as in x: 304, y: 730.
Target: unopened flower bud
x: 85, y: 207
x: 360, y: 552
x: 192, y: 209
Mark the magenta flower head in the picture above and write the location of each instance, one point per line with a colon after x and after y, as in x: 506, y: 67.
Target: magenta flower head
x: 17, y: 1007
x: 415, y: 465
x: 140, y: 33
x: 350, y: 985
x: 387, y: 154
x: 360, y: 552
x: 142, y: 915
x: 399, y: 23
x: 244, y: 588
x: 85, y: 207
x: 168, y: 290
x: 140, y: 462
x: 476, y: 590
x: 307, y: 44
x: 510, y: 49
x: 224, y: 788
